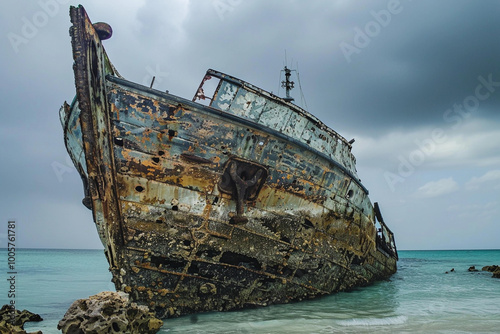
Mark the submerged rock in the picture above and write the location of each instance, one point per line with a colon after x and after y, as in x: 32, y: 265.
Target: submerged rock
x: 473, y: 268
x: 108, y: 312
x: 13, y: 321
x: 493, y: 269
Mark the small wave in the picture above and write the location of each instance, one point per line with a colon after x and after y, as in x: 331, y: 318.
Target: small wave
x: 398, y: 320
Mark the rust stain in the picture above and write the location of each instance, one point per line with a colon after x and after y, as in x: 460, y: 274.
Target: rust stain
x: 249, y: 201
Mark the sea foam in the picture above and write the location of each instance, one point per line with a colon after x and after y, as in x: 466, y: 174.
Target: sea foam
x: 397, y: 320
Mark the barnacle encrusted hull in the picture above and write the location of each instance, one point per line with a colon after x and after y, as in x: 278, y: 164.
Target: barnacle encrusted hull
x: 227, y: 201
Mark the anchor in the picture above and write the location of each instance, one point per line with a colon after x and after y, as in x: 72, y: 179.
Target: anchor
x: 243, y: 180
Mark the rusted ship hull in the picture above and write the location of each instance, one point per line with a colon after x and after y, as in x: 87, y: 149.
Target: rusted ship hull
x: 246, y: 201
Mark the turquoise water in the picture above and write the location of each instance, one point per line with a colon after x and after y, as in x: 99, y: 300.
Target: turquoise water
x: 419, y: 298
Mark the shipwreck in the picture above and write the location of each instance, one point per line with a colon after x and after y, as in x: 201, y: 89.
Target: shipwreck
x: 234, y: 199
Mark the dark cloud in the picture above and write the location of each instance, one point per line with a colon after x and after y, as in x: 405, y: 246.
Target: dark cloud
x: 419, y: 65
x: 393, y: 91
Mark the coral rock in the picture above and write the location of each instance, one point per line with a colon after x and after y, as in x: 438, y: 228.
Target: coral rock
x: 19, y: 317
x: 108, y: 312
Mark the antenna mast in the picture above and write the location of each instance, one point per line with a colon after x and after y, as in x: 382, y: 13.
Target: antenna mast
x: 287, y: 84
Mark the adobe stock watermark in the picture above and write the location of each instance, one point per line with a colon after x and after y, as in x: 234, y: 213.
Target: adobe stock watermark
x: 61, y: 169
x: 456, y: 116
x: 11, y: 269
x: 363, y: 36
x: 155, y: 75
x: 31, y: 25
x: 222, y: 7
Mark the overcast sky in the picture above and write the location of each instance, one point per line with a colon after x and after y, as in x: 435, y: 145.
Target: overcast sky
x: 416, y: 83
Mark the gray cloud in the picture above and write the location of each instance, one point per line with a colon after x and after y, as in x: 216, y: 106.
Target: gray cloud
x: 396, y: 90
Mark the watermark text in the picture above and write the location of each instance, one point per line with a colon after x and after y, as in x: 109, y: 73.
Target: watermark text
x: 363, y: 36
x: 11, y: 268
x: 223, y: 7
x: 456, y: 116
x: 33, y: 24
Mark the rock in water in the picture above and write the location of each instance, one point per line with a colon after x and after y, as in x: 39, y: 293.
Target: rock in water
x: 108, y: 312
x: 12, y: 321
x: 493, y: 269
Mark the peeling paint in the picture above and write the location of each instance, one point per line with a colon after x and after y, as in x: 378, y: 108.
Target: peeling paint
x: 247, y: 201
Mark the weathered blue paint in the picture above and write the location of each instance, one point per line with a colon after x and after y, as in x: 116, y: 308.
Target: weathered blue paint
x: 247, y: 201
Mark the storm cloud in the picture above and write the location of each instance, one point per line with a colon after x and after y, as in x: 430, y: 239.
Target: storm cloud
x: 416, y: 83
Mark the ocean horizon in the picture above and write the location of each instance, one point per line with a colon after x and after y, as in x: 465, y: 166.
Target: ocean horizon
x: 423, y: 296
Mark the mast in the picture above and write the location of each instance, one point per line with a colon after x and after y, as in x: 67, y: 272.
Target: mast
x: 287, y: 84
